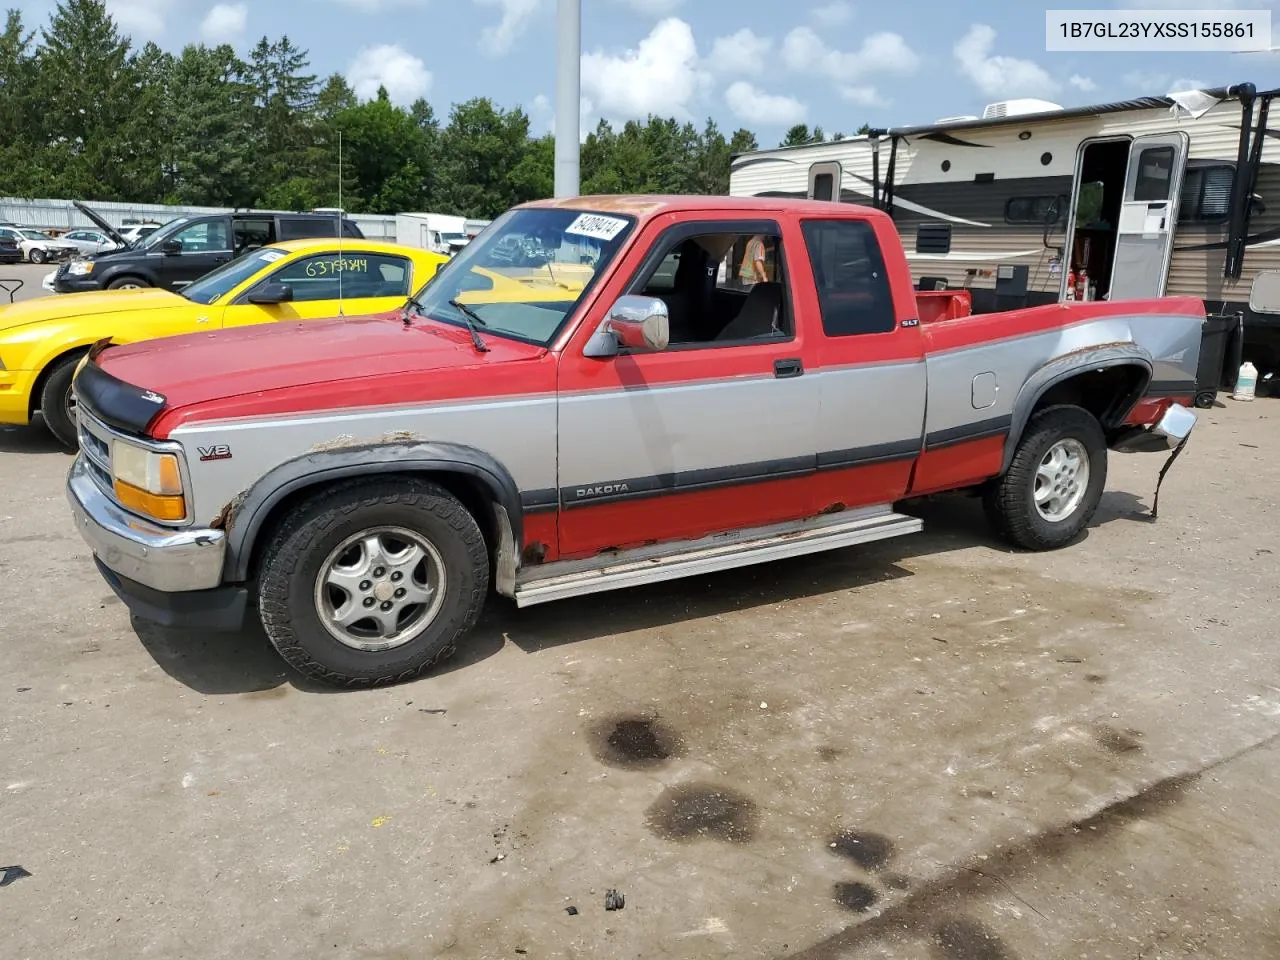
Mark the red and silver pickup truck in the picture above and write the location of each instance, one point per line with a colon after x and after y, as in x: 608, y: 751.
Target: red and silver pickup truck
x: 689, y: 384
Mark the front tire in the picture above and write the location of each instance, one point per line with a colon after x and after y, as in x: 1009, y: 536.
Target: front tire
x: 372, y: 583
x: 1054, y: 483
x: 127, y: 283
x: 36, y: 255
x: 57, y: 402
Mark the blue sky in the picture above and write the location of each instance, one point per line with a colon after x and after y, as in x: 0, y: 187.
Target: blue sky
x: 762, y: 64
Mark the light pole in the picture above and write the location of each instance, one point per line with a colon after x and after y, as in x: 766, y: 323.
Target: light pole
x: 568, y: 96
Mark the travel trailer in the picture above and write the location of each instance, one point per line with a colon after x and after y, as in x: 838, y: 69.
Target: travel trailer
x: 1035, y: 203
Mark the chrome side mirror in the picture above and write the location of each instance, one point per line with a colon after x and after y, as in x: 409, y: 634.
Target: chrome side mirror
x: 633, y: 322
x: 1264, y: 296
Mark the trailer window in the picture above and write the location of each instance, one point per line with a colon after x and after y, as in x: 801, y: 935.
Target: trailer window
x: 823, y: 184
x: 848, y: 269
x: 1037, y: 210
x: 1155, y: 168
x: 1206, y: 194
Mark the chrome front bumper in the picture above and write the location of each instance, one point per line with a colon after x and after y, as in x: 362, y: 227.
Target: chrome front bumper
x: 162, y: 558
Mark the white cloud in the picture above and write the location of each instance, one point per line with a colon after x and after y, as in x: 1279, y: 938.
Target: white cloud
x: 753, y: 105
x: 661, y: 76
x: 1082, y: 83
x: 142, y: 19
x: 541, y: 115
x: 654, y: 8
x: 517, y: 15
x: 741, y: 52
x: 999, y: 76
x: 805, y: 52
x: 389, y: 65
x: 1149, y: 83
x: 834, y: 14
x: 1145, y: 81
x: 863, y: 96
x: 225, y: 23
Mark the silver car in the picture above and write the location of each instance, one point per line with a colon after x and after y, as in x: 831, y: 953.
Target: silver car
x: 89, y: 241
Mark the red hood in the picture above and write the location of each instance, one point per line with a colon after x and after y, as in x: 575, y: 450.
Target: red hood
x: 340, y: 356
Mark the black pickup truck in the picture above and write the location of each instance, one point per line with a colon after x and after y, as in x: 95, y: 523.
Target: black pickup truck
x: 186, y: 248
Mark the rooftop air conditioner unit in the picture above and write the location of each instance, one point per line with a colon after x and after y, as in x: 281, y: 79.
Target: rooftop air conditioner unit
x: 1017, y: 108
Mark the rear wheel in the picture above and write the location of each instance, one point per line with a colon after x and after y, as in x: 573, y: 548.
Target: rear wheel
x: 1053, y: 485
x: 372, y: 583
x: 127, y: 283
x: 58, y: 404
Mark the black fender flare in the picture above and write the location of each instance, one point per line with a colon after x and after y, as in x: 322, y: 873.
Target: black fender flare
x: 244, y: 517
x: 1064, y: 368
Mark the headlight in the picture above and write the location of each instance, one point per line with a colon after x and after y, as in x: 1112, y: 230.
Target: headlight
x: 81, y: 268
x: 147, y: 482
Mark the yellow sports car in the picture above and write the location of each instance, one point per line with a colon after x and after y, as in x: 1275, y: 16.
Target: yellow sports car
x: 43, y: 340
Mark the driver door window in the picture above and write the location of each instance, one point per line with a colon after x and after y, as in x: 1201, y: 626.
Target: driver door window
x: 720, y: 289
x: 366, y: 282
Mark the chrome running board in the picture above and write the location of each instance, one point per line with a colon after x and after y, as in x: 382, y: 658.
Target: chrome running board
x: 723, y: 551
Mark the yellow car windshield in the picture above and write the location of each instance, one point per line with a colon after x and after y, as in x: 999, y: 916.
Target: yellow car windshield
x: 230, y: 275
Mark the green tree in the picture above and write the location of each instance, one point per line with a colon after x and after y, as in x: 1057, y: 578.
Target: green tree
x: 383, y: 147
x: 210, y: 160
x: 797, y: 136
x: 21, y: 158
x: 481, y: 149
x: 285, y: 98
x: 88, y: 87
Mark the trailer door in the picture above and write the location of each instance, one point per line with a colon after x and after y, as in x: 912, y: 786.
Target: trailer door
x: 1148, y: 215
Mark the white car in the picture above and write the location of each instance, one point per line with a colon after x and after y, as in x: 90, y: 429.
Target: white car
x: 89, y: 241
x: 138, y: 231
x: 38, y: 247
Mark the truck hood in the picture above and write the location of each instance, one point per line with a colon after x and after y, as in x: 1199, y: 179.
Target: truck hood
x: 224, y: 364
x: 64, y: 306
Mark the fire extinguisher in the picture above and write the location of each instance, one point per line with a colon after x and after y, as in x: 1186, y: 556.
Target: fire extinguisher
x: 1071, y: 284
x: 1082, y: 284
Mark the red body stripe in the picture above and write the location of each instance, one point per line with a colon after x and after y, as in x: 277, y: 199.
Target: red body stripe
x: 540, y: 528
x: 959, y: 465
x: 685, y: 516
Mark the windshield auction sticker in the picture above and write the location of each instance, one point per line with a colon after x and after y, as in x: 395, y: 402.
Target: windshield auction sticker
x: 595, y: 226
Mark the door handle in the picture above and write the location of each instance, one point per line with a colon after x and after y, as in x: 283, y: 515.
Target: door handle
x: 791, y: 367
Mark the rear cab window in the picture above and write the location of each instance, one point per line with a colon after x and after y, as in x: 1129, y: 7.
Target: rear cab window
x: 854, y: 295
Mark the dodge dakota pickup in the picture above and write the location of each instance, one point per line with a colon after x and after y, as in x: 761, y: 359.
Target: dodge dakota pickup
x: 724, y: 381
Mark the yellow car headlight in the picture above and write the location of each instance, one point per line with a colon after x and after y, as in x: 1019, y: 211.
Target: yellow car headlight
x: 147, y: 481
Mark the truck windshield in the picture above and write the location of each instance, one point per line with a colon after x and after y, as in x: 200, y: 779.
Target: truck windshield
x: 525, y: 274
x: 215, y: 284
